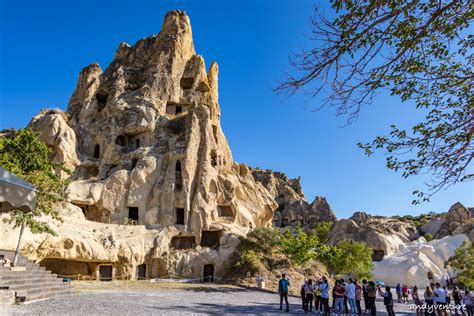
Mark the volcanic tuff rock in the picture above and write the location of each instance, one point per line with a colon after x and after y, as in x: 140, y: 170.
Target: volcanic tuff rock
x: 411, y: 263
x: 293, y: 209
x: 144, y: 141
x: 383, y: 234
x: 457, y: 221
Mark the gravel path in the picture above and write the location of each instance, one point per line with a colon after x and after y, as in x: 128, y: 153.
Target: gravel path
x: 212, y: 299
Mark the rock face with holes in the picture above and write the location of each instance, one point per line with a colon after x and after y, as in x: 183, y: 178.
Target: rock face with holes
x: 293, y: 209
x: 144, y: 142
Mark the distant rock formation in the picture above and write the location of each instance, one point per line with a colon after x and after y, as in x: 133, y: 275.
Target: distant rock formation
x: 457, y: 221
x: 383, y: 234
x: 411, y: 263
x: 144, y: 142
x: 293, y: 209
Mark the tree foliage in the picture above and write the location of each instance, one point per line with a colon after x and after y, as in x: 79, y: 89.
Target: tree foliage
x: 321, y: 230
x: 27, y: 157
x: 350, y: 257
x: 462, y: 262
x: 417, y: 50
x: 299, y: 247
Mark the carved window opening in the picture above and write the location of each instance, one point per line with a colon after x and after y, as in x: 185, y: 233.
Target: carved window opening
x: 137, y: 143
x: 133, y: 213
x: 214, y: 132
x: 97, y: 151
x: 91, y: 212
x: 178, y: 177
x: 101, y: 100
x: 121, y: 140
x: 134, y: 163
x: 225, y: 211
x: 213, y: 187
x: 210, y: 239
x: 173, y: 108
x: 186, y: 83
x: 213, y: 158
x: 183, y: 242
x: 179, y: 216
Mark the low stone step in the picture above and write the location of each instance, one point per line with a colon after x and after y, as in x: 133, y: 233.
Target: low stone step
x: 25, y: 277
x: 36, y: 297
x: 35, y: 279
x: 43, y: 290
x: 28, y: 286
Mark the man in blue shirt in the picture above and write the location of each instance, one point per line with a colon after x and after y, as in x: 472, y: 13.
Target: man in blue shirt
x: 283, y: 285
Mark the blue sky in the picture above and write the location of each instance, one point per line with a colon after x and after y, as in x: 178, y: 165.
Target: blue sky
x: 44, y: 45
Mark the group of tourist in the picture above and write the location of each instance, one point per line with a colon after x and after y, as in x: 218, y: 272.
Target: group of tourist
x: 437, y: 298
x: 347, y: 297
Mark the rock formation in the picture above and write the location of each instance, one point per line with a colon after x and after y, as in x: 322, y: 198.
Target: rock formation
x: 383, y: 234
x: 457, y: 221
x: 144, y: 143
x: 411, y: 263
x: 293, y: 209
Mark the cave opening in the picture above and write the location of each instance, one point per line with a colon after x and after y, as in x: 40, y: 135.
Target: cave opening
x: 208, y: 273
x: 183, y: 242
x: 214, y: 132
x: 133, y: 213
x: 210, y: 238
x: 179, y: 216
x: 377, y: 254
x: 101, y: 100
x: 97, y: 151
x: 178, y: 177
x: 134, y: 163
x: 213, y: 158
x: 141, y: 272
x: 225, y: 211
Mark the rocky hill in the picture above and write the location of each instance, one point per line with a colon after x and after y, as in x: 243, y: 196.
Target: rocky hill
x: 144, y: 142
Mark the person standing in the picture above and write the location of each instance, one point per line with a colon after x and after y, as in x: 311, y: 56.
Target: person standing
x: 318, y: 306
x: 346, y: 307
x: 325, y: 296
x: 417, y: 301
x: 468, y: 300
x: 303, y: 296
x: 372, y: 294
x: 283, y: 285
x: 440, y: 299
x: 339, y: 294
x: 457, y: 298
x: 398, y: 289
x: 405, y: 292
x: 308, y: 290
x: 429, y: 300
x: 388, y: 301
x: 358, y: 296
x: 351, y: 296
x: 366, y: 296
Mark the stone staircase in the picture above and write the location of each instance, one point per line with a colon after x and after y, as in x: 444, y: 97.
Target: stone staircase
x: 29, y: 281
